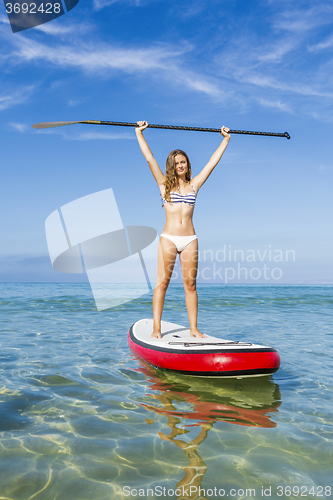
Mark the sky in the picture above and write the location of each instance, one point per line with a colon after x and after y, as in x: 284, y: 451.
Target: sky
x: 262, y: 65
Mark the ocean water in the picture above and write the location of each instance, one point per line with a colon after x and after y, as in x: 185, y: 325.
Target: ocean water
x: 81, y: 418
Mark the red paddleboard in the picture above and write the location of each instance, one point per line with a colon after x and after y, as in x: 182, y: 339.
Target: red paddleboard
x: 209, y: 356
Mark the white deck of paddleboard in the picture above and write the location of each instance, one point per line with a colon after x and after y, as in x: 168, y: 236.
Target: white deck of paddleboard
x: 178, y: 337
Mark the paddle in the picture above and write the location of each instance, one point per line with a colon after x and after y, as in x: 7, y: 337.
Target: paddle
x: 172, y: 127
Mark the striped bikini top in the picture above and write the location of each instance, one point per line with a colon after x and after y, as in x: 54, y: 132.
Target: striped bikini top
x: 188, y: 198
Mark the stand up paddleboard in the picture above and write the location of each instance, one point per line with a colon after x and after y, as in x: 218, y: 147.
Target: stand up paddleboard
x: 209, y: 356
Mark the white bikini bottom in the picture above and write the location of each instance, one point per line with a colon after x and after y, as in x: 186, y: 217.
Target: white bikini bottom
x: 180, y: 241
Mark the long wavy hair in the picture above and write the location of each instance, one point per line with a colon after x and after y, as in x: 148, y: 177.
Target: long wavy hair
x: 171, y: 181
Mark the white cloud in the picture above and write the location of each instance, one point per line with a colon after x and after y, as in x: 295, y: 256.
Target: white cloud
x: 274, y: 71
x: 21, y: 127
x: 300, y: 21
x: 57, y: 29
x: 82, y: 136
x: 188, y: 10
x: 95, y: 57
x: 15, y: 96
x: 279, y: 105
x: 270, y: 82
x: 322, y: 115
x: 100, y: 4
x: 279, y: 50
x: 324, y: 168
x: 197, y: 83
x: 73, y: 102
x: 4, y: 19
x: 327, y: 44
x: 91, y: 57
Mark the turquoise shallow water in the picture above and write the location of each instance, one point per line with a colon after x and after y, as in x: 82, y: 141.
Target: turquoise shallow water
x: 82, y: 418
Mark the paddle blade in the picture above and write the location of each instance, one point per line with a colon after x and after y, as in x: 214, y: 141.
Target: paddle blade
x: 52, y: 124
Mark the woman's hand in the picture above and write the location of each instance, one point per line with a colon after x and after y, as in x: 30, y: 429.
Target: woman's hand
x: 141, y: 126
x: 225, y: 132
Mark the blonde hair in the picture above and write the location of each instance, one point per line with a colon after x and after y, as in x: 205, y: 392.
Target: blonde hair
x: 171, y: 181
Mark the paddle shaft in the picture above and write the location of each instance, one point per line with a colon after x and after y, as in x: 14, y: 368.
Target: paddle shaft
x: 197, y: 129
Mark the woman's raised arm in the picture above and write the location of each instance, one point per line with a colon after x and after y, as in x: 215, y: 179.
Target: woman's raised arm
x: 153, y: 165
x: 201, y: 178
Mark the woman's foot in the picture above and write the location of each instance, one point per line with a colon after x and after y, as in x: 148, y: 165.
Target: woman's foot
x: 195, y: 333
x: 156, y: 334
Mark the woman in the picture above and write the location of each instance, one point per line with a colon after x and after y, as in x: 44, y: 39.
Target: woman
x: 179, y: 193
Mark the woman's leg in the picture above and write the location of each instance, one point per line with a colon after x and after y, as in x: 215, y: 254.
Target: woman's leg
x: 167, y: 253
x: 189, y: 265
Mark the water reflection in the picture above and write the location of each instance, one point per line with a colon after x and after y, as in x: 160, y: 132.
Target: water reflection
x: 198, y: 403
x: 189, y: 485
